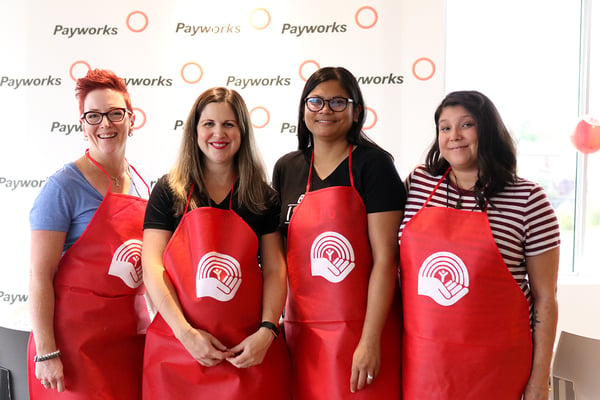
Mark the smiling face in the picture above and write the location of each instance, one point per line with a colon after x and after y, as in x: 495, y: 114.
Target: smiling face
x: 219, y: 135
x: 107, y: 137
x: 326, y: 124
x: 457, y: 138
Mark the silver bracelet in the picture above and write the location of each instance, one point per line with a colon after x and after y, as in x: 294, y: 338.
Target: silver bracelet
x: 48, y: 356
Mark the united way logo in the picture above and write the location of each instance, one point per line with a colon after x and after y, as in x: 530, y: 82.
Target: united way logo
x: 127, y: 263
x: 332, y: 257
x: 444, y: 277
x: 219, y: 276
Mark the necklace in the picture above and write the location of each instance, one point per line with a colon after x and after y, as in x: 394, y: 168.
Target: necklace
x: 460, y: 191
x: 115, y: 179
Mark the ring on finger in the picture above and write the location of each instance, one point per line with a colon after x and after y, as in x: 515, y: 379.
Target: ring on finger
x: 46, y: 384
x: 369, y: 377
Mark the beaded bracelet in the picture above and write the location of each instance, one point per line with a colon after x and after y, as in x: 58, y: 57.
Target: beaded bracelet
x: 48, y: 356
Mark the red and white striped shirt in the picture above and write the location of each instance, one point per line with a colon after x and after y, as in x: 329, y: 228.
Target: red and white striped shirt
x: 522, y: 221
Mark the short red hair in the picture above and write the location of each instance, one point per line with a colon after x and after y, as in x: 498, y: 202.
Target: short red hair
x: 101, y: 79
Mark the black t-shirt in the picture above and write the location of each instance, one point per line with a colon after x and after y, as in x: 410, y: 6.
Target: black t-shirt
x: 160, y: 214
x: 375, y: 179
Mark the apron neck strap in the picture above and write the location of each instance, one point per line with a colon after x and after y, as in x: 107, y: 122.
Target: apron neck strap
x: 87, y: 154
x: 97, y: 164
x: 189, y: 198
x: 438, y: 185
x: 312, y: 160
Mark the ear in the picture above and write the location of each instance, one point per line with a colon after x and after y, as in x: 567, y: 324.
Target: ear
x: 356, y: 112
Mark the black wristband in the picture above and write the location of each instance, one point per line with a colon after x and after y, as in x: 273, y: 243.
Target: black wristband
x: 271, y: 326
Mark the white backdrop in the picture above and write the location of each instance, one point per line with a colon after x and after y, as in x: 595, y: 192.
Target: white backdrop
x: 170, y: 52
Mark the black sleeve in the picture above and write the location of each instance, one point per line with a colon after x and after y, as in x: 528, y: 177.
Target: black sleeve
x: 290, y: 175
x: 159, y: 211
x: 379, y: 183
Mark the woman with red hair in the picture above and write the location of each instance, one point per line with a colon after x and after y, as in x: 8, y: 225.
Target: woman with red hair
x: 86, y: 294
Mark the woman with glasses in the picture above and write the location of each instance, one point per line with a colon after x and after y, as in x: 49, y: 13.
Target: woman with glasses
x: 342, y: 203
x: 214, y: 265
x: 86, y: 294
x: 480, y: 251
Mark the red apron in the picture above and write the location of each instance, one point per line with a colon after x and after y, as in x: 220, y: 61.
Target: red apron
x: 212, y: 261
x: 466, y: 321
x: 329, y: 265
x: 100, y: 312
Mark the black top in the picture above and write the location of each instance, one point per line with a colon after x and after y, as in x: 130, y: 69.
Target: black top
x: 375, y: 178
x: 160, y: 214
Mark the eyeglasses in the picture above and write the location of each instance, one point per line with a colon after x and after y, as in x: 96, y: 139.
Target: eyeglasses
x: 336, y: 104
x: 114, y: 115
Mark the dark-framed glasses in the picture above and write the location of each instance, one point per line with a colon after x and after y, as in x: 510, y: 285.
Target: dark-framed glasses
x: 114, y: 115
x: 336, y: 104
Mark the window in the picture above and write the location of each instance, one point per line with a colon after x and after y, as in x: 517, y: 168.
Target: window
x: 525, y: 56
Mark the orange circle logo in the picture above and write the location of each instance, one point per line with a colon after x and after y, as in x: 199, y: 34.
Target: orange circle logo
x: 260, y: 18
x: 266, y: 116
x: 301, y: 71
x: 421, y: 61
x: 372, y: 112
x: 196, y: 72
x: 140, y: 25
x: 139, y: 113
x: 366, y: 13
x: 74, y: 65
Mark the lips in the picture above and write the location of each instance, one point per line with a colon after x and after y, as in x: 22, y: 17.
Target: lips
x: 219, y: 145
x: 107, y: 136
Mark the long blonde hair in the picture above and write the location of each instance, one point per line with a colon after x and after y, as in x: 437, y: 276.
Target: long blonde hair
x: 253, y: 192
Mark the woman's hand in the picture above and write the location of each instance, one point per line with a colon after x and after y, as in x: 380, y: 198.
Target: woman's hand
x: 536, y: 392
x: 366, y: 362
x: 204, y: 347
x: 252, y: 350
x: 50, y: 374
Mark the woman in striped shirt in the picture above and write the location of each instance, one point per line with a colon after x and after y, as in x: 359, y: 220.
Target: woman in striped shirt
x: 479, y: 263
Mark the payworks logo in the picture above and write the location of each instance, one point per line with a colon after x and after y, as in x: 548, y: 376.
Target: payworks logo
x: 244, y: 82
x: 17, y: 83
x: 299, y: 30
x: 159, y: 81
x: 193, y: 30
x: 72, y: 31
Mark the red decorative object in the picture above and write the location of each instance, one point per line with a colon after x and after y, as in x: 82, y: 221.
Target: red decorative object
x: 586, y: 136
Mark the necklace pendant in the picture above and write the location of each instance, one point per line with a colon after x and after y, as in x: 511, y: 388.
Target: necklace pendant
x: 458, y: 204
x: 116, y: 181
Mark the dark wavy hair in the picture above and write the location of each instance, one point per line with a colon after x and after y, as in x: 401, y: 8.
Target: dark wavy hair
x: 496, y: 151
x: 355, y: 135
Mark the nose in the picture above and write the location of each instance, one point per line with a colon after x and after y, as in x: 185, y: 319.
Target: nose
x: 218, y: 131
x: 326, y: 107
x: 105, y: 122
x: 454, y: 134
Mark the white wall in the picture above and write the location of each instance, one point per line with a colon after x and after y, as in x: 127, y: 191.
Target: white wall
x: 579, y: 309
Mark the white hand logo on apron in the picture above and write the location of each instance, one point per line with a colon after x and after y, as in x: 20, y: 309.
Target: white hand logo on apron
x: 126, y: 263
x: 443, y: 276
x: 219, y: 276
x: 331, y: 256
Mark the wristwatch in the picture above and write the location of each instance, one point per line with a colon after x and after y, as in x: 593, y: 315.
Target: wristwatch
x: 271, y: 326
